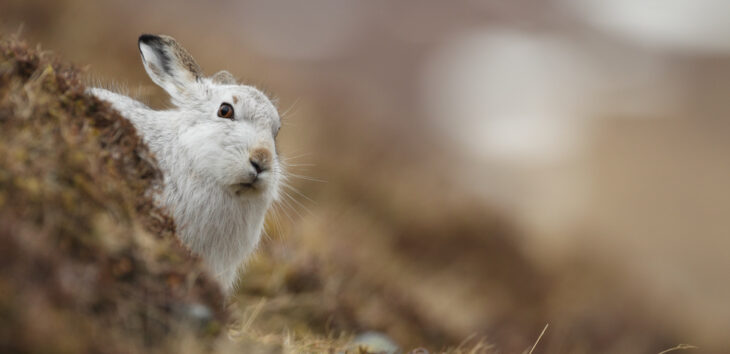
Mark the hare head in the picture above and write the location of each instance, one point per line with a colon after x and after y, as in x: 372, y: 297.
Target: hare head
x: 227, y: 131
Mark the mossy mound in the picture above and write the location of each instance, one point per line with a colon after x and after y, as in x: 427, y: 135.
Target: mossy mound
x: 87, y: 262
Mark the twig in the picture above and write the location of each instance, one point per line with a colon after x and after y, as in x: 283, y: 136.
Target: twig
x: 679, y: 347
x: 538, y: 338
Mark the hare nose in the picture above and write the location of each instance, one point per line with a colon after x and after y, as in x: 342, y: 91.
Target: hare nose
x: 260, y: 159
x: 257, y: 166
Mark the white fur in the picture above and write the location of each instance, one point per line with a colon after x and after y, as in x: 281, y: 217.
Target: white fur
x: 204, y: 157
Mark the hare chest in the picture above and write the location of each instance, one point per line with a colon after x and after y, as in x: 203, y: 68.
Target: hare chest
x: 215, y: 224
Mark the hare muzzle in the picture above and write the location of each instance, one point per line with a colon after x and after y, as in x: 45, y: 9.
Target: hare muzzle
x: 253, y: 179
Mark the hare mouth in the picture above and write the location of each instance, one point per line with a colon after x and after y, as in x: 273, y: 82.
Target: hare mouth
x: 241, y: 188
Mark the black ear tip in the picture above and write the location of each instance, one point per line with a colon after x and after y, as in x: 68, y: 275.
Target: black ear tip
x: 149, y: 39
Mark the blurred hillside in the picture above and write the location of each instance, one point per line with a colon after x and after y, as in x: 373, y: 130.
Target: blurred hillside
x: 488, y: 167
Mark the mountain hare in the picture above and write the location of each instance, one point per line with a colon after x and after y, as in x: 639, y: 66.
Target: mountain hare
x: 217, y: 152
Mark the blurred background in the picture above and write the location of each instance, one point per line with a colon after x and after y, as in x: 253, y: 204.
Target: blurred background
x: 467, y: 170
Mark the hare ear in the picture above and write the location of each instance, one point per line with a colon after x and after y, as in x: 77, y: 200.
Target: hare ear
x: 169, y: 65
x: 223, y: 78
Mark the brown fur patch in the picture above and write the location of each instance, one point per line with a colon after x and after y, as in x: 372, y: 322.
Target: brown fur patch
x: 262, y: 156
x: 235, y: 99
x: 183, y: 57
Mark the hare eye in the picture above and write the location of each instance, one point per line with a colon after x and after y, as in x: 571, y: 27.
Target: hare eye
x: 225, y: 111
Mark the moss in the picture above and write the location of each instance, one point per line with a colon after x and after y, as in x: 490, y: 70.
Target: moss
x: 88, y: 262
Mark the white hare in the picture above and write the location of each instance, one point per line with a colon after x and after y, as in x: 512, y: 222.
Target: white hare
x: 216, y: 150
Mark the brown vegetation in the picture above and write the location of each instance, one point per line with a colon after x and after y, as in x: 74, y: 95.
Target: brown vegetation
x: 87, y: 263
